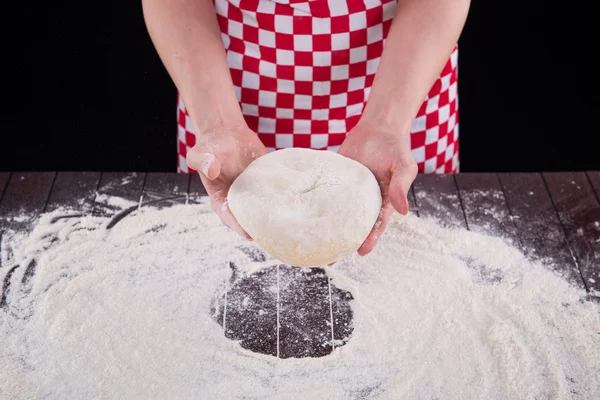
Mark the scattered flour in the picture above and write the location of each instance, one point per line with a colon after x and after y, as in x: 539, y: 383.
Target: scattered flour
x: 438, y: 313
x: 19, y: 218
x: 114, y: 201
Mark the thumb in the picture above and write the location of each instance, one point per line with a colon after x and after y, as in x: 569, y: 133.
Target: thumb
x: 206, y: 163
x: 398, y: 191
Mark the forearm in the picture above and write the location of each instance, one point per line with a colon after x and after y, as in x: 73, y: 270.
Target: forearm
x: 188, y: 40
x: 419, y: 43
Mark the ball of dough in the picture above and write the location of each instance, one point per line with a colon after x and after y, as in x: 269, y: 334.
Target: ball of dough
x: 306, y: 207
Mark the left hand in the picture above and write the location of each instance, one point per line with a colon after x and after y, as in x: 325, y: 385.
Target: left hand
x: 387, y: 154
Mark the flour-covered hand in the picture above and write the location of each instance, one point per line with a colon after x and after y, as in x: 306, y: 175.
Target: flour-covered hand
x: 220, y: 156
x: 388, y: 155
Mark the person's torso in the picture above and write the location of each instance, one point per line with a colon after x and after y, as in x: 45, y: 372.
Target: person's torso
x: 303, y: 67
x: 302, y: 72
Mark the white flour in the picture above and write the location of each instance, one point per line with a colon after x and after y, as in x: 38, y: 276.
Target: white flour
x: 114, y: 201
x: 438, y: 313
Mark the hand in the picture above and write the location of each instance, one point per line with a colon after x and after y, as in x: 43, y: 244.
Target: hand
x: 220, y: 155
x: 388, y: 155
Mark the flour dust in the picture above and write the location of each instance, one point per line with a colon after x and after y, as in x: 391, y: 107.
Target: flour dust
x: 91, y: 312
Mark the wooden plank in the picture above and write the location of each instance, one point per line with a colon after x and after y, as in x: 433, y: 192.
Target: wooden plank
x: 248, y: 310
x: 341, y: 315
x: 24, y: 199
x: 538, y: 228
x: 484, y: 204
x: 412, y: 202
x: 579, y: 212
x: 118, y: 192
x: 167, y: 183
x: 299, y: 299
x: 196, y: 190
x: 163, y: 189
x: 74, y: 191
x: 437, y: 197
x: 4, y: 178
x: 594, y: 178
x: 305, y: 328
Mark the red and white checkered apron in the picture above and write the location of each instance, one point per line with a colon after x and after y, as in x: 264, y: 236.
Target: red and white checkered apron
x: 302, y: 72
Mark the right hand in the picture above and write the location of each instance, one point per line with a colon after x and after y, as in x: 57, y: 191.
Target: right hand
x: 220, y: 155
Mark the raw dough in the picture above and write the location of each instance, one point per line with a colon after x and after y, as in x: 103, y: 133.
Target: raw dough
x: 306, y: 207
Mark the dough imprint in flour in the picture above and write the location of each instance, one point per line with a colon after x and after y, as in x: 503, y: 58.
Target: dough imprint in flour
x: 306, y: 207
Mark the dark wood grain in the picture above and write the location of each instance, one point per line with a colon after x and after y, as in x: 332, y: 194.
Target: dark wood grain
x: 594, y: 178
x: 24, y: 199
x: 538, y: 228
x: 579, y: 212
x: 484, y: 205
x: 342, y: 315
x: 26, y: 195
x: 166, y: 183
x: 412, y: 203
x: 437, y: 197
x: 298, y: 300
x: 197, y: 190
x: 74, y: 191
x: 4, y: 178
x: 249, y: 310
x: 304, y: 313
x: 163, y: 189
x: 118, y: 191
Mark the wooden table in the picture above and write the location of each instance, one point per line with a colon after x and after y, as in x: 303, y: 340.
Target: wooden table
x: 553, y: 216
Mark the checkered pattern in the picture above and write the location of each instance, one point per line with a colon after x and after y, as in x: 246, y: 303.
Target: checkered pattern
x: 302, y: 72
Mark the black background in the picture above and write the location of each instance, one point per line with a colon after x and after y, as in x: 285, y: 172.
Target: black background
x: 83, y: 89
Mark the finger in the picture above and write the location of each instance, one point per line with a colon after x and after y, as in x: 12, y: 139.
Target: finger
x: 398, y: 190
x: 221, y: 208
x: 378, y: 229
x: 206, y: 163
x: 229, y: 220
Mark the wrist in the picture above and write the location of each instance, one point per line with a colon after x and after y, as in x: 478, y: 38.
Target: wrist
x: 212, y: 106
x: 220, y: 129
x: 218, y: 115
x: 220, y: 123
x: 391, y: 110
x: 381, y: 124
